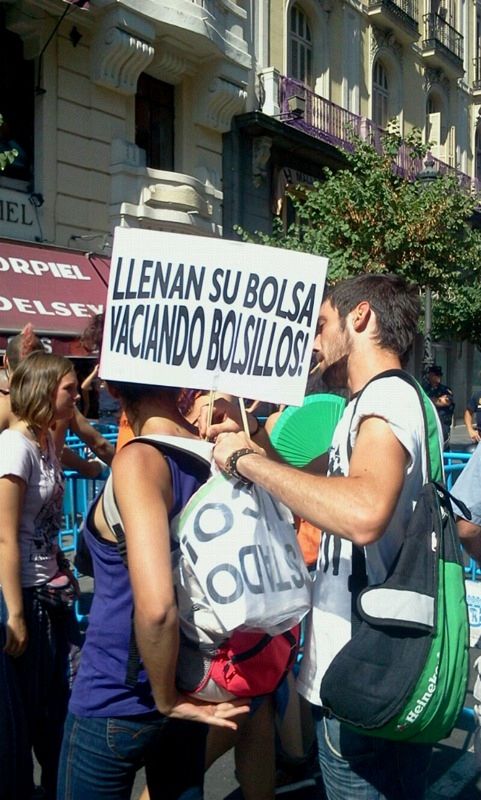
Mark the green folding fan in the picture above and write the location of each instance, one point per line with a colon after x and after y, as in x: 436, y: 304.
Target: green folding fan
x: 304, y: 432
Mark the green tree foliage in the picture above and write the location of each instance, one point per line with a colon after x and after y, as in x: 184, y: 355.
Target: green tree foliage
x: 7, y: 157
x: 366, y: 217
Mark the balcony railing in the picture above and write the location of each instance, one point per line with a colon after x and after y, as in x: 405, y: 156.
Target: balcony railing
x: 405, y: 10
x: 331, y: 123
x: 477, y: 73
x: 441, y: 33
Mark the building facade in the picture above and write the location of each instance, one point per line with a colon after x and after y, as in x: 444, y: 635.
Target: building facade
x: 196, y: 116
x: 116, y: 109
x: 327, y: 67
x: 123, y: 107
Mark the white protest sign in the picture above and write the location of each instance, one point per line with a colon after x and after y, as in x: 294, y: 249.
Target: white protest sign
x: 209, y: 313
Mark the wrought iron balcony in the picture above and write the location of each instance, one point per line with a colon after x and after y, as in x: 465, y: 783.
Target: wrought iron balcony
x: 443, y: 44
x: 402, y: 14
x: 333, y: 124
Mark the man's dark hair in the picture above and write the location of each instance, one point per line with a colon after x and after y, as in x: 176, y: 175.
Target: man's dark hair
x: 395, y: 303
x: 91, y: 338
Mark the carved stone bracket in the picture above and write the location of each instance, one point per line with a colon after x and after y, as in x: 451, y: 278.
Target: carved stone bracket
x: 121, y: 50
x: 435, y: 77
x: 218, y: 103
x: 169, y: 66
x: 385, y: 40
x: 261, y: 153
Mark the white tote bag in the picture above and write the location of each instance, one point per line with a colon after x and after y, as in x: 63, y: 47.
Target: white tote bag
x: 242, y: 547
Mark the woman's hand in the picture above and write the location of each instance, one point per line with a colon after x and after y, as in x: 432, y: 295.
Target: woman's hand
x: 16, y: 635
x: 68, y: 572
x: 219, y: 714
x: 226, y: 418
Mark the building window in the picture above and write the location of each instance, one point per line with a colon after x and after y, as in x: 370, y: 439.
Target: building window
x: 300, y: 47
x: 380, y: 95
x: 436, y: 127
x: 447, y: 10
x: 16, y: 81
x: 154, y: 121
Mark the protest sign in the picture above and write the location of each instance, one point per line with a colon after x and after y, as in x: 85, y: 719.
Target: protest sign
x: 211, y: 314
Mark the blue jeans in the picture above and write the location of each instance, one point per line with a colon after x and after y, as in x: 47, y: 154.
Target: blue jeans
x: 356, y: 767
x: 101, y: 755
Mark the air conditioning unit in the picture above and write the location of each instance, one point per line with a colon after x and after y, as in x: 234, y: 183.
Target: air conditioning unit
x: 296, y: 105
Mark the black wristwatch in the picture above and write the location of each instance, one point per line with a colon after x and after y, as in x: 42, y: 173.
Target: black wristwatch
x: 231, y: 464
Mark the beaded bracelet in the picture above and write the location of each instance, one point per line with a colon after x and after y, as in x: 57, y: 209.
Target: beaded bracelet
x: 231, y: 464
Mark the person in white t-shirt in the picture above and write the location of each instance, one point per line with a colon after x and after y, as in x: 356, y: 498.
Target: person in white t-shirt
x: 39, y: 635
x: 366, y: 326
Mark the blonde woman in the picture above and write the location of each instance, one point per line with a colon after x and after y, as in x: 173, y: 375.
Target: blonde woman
x: 37, y: 623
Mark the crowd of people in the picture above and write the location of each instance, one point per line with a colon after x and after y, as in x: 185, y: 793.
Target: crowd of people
x: 88, y: 723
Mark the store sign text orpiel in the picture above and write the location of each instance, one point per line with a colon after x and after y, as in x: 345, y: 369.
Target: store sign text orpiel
x: 206, y: 313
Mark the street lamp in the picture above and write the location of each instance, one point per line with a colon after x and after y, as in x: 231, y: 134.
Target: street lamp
x: 426, y: 176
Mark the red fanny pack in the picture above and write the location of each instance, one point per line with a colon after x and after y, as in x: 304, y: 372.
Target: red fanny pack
x: 251, y: 664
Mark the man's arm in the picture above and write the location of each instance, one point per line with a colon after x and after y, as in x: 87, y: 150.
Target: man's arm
x: 470, y: 536
x: 88, y: 468
x: 468, y: 421
x: 92, y: 438
x: 357, y: 507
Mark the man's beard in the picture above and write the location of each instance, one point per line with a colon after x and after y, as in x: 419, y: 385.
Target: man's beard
x: 335, y: 375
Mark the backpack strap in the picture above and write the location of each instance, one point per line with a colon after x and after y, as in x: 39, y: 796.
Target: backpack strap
x: 168, y: 445
x: 434, y: 459
x: 358, y: 579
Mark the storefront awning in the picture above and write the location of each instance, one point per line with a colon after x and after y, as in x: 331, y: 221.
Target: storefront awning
x: 56, y: 290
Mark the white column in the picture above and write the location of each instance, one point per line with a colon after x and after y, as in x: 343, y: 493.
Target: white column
x: 270, y: 78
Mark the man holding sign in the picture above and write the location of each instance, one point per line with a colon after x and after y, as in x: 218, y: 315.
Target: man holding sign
x: 366, y: 326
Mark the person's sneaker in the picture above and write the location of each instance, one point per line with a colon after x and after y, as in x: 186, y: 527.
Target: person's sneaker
x: 291, y: 777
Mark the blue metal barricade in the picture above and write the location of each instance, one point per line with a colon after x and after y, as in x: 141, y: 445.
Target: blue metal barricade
x: 79, y: 493
x: 454, y: 463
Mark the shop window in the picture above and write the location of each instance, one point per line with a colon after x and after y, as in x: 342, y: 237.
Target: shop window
x: 300, y: 46
x: 16, y: 81
x: 154, y: 121
x: 380, y: 95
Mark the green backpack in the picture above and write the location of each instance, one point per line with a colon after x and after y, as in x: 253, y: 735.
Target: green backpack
x: 403, y: 674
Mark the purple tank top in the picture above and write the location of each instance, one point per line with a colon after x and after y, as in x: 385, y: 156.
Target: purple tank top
x: 99, y: 689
